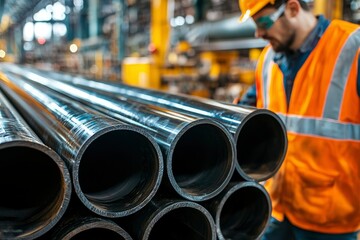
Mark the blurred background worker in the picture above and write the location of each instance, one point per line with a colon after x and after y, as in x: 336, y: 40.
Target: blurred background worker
x: 309, y: 75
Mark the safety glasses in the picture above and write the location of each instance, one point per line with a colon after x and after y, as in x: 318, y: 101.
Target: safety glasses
x: 266, y: 22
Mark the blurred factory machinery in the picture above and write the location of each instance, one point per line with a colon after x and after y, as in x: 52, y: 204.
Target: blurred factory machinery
x: 195, y: 47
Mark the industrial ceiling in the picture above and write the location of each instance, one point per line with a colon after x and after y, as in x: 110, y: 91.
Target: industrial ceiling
x: 17, y: 10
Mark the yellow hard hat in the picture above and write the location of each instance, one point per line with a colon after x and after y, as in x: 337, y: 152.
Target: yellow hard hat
x: 249, y: 7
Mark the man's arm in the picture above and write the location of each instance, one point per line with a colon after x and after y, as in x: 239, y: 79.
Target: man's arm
x: 249, y: 97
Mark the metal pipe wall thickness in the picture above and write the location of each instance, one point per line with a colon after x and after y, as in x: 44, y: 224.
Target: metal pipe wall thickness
x: 200, y: 153
x: 241, y: 211
x: 35, y: 183
x: 116, y: 168
x: 172, y: 220
x: 260, y: 135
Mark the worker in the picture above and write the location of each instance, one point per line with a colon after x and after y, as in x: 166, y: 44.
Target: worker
x: 309, y: 75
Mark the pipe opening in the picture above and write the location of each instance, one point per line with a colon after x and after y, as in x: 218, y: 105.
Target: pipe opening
x: 261, y: 146
x: 97, y: 233
x: 202, y: 160
x: 32, y: 191
x: 182, y: 223
x: 245, y: 214
x: 119, y: 171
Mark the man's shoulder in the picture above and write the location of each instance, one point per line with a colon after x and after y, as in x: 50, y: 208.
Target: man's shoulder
x: 268, y: 52
x: 344, y: 26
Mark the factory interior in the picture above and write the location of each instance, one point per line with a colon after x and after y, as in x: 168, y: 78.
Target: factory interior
x: 140, y: 92
x: 192, y: 47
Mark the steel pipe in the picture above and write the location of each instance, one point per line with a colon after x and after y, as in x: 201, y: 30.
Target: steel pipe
x: 200, y: 153
x: 89, y: 228
x: 116, y: 168
x: 259, y: 134
x: 241, y: 211
x: 173, y: 220
x: 78, y: 223
x: 34, y: 181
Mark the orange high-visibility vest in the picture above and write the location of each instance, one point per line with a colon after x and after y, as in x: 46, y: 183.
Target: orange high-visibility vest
x: 318, y: 185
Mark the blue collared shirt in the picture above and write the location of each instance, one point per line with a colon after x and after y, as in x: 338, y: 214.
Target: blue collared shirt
x: 291, y: 62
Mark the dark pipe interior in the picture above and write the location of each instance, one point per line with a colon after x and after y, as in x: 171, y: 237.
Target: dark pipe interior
x: 202, y: 159
x: 96, y: 234
x: 244, y: 214
x: 180, y: 224
x: 261, y: 146
x: 31, y: 190
x: 119, y: 170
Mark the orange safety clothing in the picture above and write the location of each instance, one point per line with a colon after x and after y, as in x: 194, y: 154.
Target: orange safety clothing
x: 318, y: 185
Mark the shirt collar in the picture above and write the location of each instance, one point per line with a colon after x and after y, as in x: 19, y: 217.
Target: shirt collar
x: 315, y: 34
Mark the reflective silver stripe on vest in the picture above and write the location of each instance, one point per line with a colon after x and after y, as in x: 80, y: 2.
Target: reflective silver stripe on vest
x: 282, y: 117
x: 340, y: 76
x: 321, y: 127
x: 265, y: 75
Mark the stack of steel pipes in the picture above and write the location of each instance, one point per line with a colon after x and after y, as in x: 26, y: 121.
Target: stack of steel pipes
x: 143, y: 164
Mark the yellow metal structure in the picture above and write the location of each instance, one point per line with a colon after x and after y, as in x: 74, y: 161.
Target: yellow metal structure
x: 140, y: 72
x: 146, y: 72
x: 5, y: 22
x: 219, y: 62
x: 159, y: 29
x: 254, y: 54
x: 182, y: 47
x: 99, y: 64
x: 5, y: 56
x: 331, y: 9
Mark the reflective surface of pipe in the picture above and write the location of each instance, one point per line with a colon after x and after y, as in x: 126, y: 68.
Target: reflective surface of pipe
x: 200, y: 153
x: 78, y: 223
x: 241, y: 211
x: 260, y: 135
x: 35, y: 183
x: 172, y: 220
x: 90, y: 228
x: 116, y: 168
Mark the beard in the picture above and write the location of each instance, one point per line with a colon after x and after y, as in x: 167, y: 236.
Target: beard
x: 283, y: 46
x: 288, y: 37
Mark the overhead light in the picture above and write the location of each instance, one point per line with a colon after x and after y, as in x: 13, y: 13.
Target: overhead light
x: 2, y: 53
x: 180, y: 20
x: 73, y: 48
x: 189, y: 19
